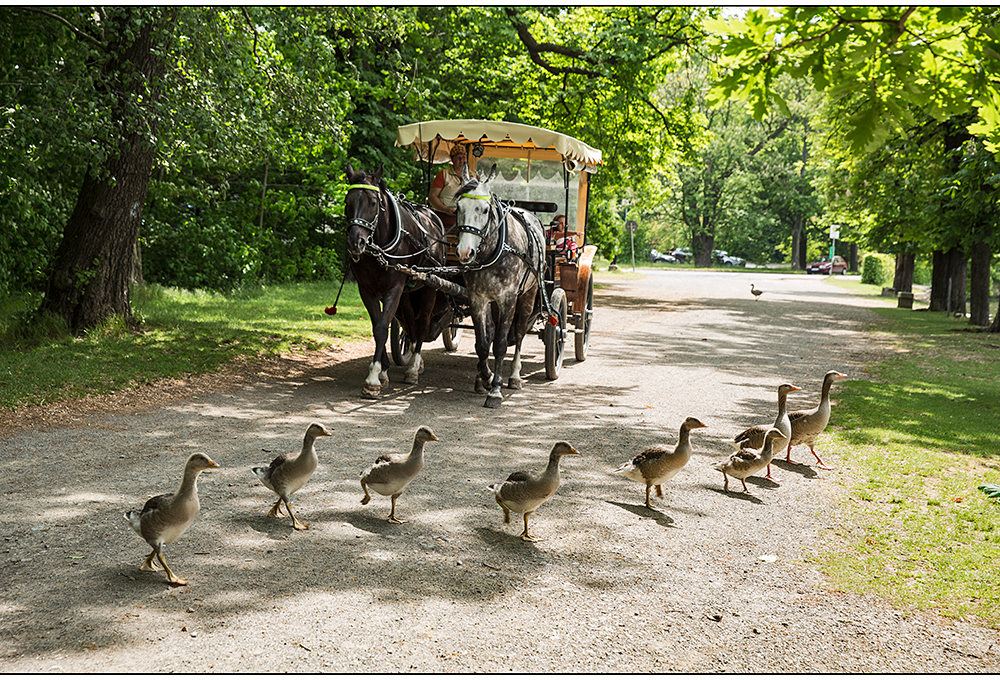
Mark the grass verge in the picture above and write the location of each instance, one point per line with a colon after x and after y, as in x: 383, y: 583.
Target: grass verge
x: 184, y: 333
x: 917, y: 439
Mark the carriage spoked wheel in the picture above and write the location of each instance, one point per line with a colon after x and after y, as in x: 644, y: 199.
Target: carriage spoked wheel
x: 555, y: 335
x: 400, y: 345
x: 451, y: 336
x: 582, y: 334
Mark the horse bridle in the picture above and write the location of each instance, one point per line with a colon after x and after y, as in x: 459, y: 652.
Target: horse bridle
x: 371, y: 225
x: 481, y: 232
x: 384, y: 253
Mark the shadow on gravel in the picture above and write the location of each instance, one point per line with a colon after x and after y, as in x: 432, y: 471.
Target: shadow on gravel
x: 737, y: 495
x: 645, y: 513
x: 69, y: 570
x: 798, y: 468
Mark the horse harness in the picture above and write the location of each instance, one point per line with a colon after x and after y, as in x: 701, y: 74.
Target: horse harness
x: 502, y: 211
x: 535, y: 264
x: 384, y: 253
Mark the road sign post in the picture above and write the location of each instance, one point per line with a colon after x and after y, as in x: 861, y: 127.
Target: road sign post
x: 631, y: 226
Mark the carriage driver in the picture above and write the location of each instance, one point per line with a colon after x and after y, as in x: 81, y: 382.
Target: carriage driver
x: 446, y: 185
x: 563, y: 239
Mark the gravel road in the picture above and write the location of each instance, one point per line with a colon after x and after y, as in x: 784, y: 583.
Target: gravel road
x: 707, y: 582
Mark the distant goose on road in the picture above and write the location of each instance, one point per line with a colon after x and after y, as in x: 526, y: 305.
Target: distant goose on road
x: 756, y: 293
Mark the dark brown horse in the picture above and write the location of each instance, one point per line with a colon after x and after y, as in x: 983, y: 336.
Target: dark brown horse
x: 383, y: 231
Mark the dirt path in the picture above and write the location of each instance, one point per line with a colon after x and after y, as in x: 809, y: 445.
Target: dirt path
x: 614, y: 587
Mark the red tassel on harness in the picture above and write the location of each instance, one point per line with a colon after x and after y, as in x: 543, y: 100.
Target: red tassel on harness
x: 331, y: 310
x: 553, y: 320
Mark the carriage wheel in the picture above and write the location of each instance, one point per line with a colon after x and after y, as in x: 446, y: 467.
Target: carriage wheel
x: 451, y: 335
x: 400, y: 345
x: 555, y: 336
x: 582, y: 334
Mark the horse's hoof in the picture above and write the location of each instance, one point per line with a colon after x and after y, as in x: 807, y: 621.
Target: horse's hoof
x: 383, y: 378
x: 480, y: 387
x: 410, y: 379
x: 493, y: 402
x: 370, y: 391
x: 514, y: 383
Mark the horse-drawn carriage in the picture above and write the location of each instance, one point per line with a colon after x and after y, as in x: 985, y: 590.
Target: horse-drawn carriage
x: 497, y: 265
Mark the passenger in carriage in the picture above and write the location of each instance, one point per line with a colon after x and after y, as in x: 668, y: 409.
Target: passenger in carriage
x: 446, y: 185
x: 564, y: 240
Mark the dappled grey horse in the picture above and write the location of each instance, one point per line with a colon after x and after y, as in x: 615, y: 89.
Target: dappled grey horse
x: 503, y: 252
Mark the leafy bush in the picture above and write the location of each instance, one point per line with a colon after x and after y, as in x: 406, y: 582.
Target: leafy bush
x: 210, y: 234
x: 877, y: 269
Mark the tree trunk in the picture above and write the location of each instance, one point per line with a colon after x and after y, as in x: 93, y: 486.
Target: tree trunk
x: 959, y: 270
x: 903, y: 279
x: 702, y: 244
x: 798, y: 260
x: 979, y: 284
x: 93, y: 266
x: 947, y: 277
x: 852, y: 258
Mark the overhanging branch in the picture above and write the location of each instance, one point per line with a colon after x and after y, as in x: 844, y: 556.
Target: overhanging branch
x: 65, y: 22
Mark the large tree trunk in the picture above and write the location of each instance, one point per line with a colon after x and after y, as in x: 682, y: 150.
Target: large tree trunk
x: 948, y: 276
x: 903, y: 279
x: 93, y: 266
x: 702, y: 244
x: 979, y: 284
x: 852, y: 259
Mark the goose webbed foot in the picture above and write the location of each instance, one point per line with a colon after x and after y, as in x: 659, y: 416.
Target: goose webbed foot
x: 819, y: 460
x: 148, y: 564
x: 392, y: 514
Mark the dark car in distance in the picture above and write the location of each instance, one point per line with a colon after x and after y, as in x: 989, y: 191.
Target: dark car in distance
x: 825, y: 266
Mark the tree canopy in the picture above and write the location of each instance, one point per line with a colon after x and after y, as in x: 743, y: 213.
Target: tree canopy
x: 883, y: 65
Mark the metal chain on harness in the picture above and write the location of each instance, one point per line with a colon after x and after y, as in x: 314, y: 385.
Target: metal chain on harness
x: 382, y: 254
x: 502, y: 211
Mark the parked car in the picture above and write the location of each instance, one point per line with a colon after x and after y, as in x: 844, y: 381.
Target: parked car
x: 825, y: 266
x: 656, y: 256
x: 682, y: 255
x: 722, y: 257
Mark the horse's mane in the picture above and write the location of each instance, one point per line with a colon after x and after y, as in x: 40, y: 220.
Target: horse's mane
x: 468, y: 186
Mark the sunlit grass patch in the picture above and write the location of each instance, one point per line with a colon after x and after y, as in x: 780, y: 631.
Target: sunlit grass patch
x: 918, y: 439
x: 183, y: 333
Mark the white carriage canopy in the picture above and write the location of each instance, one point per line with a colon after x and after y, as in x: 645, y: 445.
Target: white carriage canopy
x: 433, y: 140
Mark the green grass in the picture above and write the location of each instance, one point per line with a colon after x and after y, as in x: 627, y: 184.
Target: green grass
x: 917, y: 439
x: 184, y: 333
